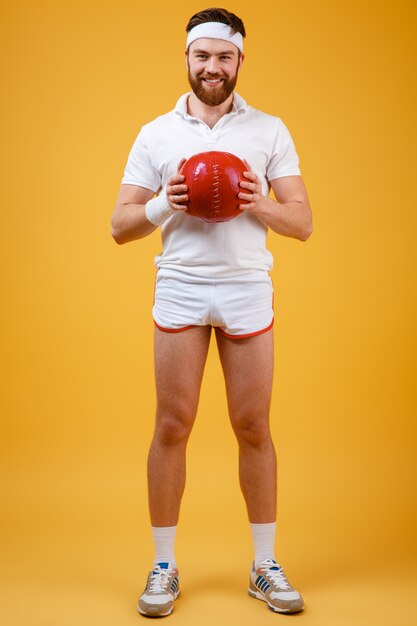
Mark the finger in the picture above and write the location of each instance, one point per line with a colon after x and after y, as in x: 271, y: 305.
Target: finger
x: 247, y: 185
x: 251, y: 197
x: 174, y: 189
x: 248, y: 206
x: 250, y: 175
x: 176, y: 180
x: 176, y: 199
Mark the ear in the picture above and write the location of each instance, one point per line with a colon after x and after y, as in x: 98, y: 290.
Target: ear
x: 242, y: 58
x: 186, y: 59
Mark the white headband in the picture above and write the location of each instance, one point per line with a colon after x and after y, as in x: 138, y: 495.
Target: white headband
x: 214, y: 30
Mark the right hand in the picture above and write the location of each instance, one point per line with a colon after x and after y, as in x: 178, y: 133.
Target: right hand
x: 176, y: 190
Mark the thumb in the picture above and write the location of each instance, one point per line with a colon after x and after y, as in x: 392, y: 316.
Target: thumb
x: 180, y: 164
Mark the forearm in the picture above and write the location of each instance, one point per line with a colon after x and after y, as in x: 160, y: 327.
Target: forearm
x: 291, y: 219
x: 129, y: 222
x: 137, y: 219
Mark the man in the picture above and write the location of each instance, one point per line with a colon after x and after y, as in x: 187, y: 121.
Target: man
x: 213, y: 276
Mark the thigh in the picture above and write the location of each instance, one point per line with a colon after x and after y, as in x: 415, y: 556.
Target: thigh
x: 248, y: 366
x: 179, y: 365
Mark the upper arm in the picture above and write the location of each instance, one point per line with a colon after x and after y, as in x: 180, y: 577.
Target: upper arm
x: 132, y: 194
x: 289, y: 189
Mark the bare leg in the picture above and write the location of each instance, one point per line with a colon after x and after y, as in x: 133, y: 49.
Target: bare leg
x: 179, y: 365
x: 248, y: 371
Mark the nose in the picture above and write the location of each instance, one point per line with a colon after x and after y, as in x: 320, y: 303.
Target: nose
x: 212, y: 65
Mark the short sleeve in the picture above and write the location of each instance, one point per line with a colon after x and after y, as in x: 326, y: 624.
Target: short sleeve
x: 284, y: 158
x: 139, y: 169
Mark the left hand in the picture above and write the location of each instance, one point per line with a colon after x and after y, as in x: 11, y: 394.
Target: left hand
x: 252, y: 191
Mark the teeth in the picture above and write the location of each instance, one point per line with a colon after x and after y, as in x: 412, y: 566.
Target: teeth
x: 212, y: 80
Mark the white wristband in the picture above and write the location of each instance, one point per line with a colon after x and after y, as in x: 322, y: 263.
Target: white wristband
x: 158, y: 210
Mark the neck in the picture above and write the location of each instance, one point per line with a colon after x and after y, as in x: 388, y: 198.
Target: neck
x: 208, y: 113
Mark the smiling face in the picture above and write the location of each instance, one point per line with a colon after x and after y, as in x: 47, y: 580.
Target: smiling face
x: 213, y: 66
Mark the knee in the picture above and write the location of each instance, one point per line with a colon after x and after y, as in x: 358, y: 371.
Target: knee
x: 251, y: 429
x: 173, y: 427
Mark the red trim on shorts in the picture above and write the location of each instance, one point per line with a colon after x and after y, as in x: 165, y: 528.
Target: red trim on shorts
x: 174, y: 330
x: 258, y: 332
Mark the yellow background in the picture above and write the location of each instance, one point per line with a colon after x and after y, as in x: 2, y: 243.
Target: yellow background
x: 79, y: 79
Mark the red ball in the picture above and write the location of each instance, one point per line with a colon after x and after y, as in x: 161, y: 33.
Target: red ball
x: 213, y: 185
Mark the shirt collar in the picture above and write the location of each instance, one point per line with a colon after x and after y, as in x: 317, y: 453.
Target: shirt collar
x: 239, y: 105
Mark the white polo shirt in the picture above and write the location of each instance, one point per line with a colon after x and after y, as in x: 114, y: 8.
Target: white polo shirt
x: 192, y: 248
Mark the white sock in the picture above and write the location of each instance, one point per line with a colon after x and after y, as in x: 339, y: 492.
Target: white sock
x: 164, y: 539
x: 263, y: 536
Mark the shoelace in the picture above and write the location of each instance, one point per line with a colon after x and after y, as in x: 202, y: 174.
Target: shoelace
x: 159, y: 580
x: 275, y: 574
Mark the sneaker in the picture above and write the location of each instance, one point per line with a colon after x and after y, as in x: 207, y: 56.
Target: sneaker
x: 162, y: 588
x: 269, y: 583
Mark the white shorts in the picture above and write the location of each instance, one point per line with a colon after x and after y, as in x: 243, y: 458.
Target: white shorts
x: 237, y: 308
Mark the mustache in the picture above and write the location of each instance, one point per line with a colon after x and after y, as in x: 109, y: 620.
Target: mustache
x: 212, y: 76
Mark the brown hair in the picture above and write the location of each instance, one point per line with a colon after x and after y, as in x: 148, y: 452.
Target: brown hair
x: 217, y: 15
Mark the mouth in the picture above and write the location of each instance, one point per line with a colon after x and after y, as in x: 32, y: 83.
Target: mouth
x: 212, y: 81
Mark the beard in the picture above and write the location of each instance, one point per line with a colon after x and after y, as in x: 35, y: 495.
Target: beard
x: 213, y: 96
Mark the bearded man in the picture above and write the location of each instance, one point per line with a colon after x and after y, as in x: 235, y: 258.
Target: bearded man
x: 213, y: 276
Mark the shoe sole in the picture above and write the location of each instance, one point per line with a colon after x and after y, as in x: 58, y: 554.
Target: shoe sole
x: 153, y: 610
x: 259, y: 596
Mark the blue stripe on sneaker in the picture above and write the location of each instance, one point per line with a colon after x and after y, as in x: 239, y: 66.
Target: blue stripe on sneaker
x: 262, y: 584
